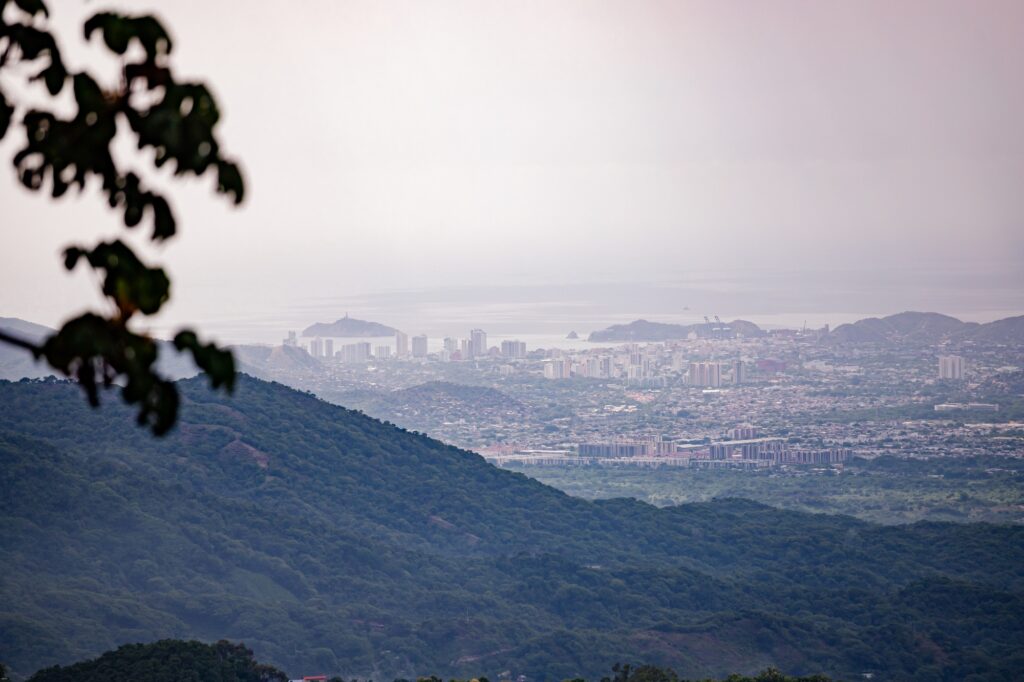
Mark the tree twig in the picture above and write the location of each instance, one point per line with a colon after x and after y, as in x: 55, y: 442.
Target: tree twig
x: 21, y: 343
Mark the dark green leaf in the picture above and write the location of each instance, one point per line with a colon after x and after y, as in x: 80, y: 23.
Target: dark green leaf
x: 131, y: 284
x: 218, y: 364
x: 180, y: 128
x: 154, y: 38
x: 229, y: 180
x: 6, y: 111
x: 54, y: 76
x: 163, y: 219
x: 31, y: 7
x: 88, y: 94
x: 97, y: 351
x: 32, y: 41
x: 116, y: 29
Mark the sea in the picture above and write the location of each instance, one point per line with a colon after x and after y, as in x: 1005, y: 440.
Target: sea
x: 544, y: 314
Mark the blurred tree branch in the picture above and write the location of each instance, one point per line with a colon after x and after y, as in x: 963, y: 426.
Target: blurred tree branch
x: 177, y: 123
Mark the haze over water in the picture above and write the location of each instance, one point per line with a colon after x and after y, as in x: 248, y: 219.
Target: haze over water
x: 543, y: 314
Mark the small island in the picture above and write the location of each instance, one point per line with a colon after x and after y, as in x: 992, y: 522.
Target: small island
x: 349, y: 326
x: 573, y: 335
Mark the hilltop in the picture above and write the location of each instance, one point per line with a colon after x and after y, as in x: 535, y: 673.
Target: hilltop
x: 643, y: 330
x: 167, y: 661
x: 261, y: 360
x: 440, y: 408
x: 15, y: 362
x: 927, y: 328
x: 348, y: 326
x: 907, y: 327
x: 460, y: 396
x: 330, y: 541
x: 1008, y: 330
x: 172, y: 660
x: 18, y: 363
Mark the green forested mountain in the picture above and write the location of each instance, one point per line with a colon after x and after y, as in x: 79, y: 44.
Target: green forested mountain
x: 927, y: 328
x: 171, y: 660
x: 331, y: 542
x: 643, y: 330
x: 167, y: 661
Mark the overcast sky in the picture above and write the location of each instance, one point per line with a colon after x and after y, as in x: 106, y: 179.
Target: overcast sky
x: 394, y: 146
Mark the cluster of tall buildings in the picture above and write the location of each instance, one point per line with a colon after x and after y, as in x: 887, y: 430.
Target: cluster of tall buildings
x: 350, y: 352
x: 644, y: 366
x: 558, y: 368
x: 749, y: 451
x: 745, y: 431
x: 513, y: 350
x: 593, y: 367
x: 775, y: 451
x: 710, y: 374
x: 769, y: 449
x: 415, y: 347
x: 651, y: 447
x: 704, y: 374
x: 816, y: 456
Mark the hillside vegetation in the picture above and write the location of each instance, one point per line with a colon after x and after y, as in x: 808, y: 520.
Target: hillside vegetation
x: 643, y: 330
x: 175, y: 660
x: 927, y: 328
x: 886, y: 489
x: 331, y: 542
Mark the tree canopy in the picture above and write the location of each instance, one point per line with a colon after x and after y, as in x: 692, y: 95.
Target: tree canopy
x: 176, y: 121
x: 333, y: 543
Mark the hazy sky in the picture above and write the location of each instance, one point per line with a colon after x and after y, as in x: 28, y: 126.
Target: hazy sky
x: 394, y: 146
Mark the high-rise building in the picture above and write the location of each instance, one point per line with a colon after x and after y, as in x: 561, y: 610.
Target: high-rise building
x: 382, y: 352
x: 653, y: 447
x: 478, y: 341
x: 705, y: 374
x: 316, y: 348
x: 741, y: 432
x: 451, y: 345
x: 401, y: 344
x: 557, y: 369
x: 419, y: 346
x: 739, y: 372
x: 355, y: 352
x: 513, y: 350
x: 951, y: 367
x: 329, y: 348
x: 292, y: 340
x: 465, y: 349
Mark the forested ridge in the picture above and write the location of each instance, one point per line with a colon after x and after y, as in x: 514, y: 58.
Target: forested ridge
x: 328, y: 541
x: 175, y: 660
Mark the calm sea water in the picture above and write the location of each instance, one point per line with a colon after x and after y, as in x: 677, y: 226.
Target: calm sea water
x: 542, y: 315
